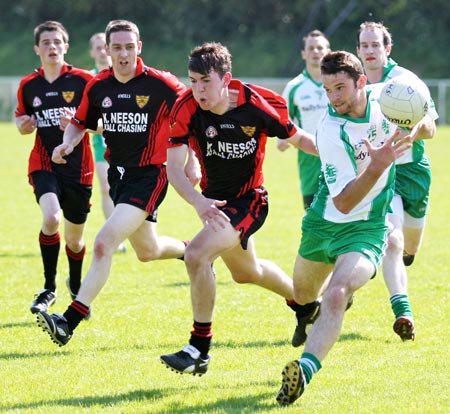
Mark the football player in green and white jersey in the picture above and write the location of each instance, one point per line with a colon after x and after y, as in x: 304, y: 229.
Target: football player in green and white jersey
x: 412, y: 181
x: 307, y: 102
x: 344, y: 231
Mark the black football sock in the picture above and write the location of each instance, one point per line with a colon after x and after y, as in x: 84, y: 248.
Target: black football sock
x: 49, y: 251
x: 302, y: 310
x: 75, y: 313
x: 201, y: 337
x: 75, y: 268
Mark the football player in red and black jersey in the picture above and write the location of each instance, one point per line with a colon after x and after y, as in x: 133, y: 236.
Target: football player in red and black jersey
x: 47, y: 99
x: 227, y: 123
x: 133, y: 102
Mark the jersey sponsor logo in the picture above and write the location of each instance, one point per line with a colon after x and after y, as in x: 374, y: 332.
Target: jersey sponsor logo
x: 307, y: 108
x: 125, y: 122
x: 330, y: 173
x: 248, y: 130
x: 142, y: 100
x: 124, y: 96
x: 53, y: 93
x: 36, y: 102
x: 106, y: 103
x: 231, y: 150
x: 227, y: 126
x: 50, y: 117
x: 211, y: 132
x: 68, y: 96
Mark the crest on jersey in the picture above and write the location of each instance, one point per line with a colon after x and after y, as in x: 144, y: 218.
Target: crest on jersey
x: 36, y: 102
x: 68, y: 96
x: 211, y: 132
x: 106, y: 103
x: 330, y: 173
x: 142, y: 100
x: 249, y: 130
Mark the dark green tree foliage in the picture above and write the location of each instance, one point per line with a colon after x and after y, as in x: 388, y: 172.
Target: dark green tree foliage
x: 264, y: 36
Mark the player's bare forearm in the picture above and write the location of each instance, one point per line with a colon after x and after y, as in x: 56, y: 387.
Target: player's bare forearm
x: 424, y: 129
x: 71, y: 138
x: 304, y: 141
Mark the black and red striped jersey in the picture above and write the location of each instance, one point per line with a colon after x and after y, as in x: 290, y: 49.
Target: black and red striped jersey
x: 231, y: 146
x: 46, y: 101
x: 135, y: 114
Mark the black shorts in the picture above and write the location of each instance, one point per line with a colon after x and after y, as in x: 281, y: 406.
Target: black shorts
x: 248, y: 213
x: 142, y: 187
x: 74, y: 198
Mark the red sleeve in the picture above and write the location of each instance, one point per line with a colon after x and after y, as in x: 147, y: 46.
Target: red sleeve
x: 20, y: 109
x: 180, y: 119
x: 79, y: 119
x: 275, y: 105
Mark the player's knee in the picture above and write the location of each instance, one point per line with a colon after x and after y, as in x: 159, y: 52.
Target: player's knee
x: 75, y: 244
x: 52, y: 222
x: 193, y: 257
x: 396, y: 241
x: 337, y: 297
x: 102, y: 247
x: 243, y: 278
x: 147, y: 255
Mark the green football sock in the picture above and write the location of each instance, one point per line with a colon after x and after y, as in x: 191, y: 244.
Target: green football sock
x: 401, y: 305
x: 310, y: 365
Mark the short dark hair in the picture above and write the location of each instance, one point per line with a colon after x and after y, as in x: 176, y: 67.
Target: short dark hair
x: 315, y: 33
x: 210, y: 56
x: 341, y: 61
x: 95, y: 36
x: 50, y: 26
x: 120, y: 26
x: 387, y: 37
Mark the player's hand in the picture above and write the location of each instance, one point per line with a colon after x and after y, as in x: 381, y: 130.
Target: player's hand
x: 383, y: 156
x: 26, y: 124
x: 65, y: 119
x: 210, y: 214
x: 282, y: 145
x: 60, y: 152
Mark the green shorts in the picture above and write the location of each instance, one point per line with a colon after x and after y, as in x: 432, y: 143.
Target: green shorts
x: 309, y: 170
x: 412, y: 184
x: 323, y: 241
x: 98, y: 144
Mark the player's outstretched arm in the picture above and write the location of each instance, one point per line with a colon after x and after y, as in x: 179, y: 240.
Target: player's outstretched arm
x: 424, y: 129
x: 304, y: 141
x: 206, y: 208
x: 72, y: 137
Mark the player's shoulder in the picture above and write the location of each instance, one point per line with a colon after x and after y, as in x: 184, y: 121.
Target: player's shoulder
x: 185, y: 103
x: 330, y: 123
x: 168, y: 78
x: 83, y: 73
x: 28, y: 78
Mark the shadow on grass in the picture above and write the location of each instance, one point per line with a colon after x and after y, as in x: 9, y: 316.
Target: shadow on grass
x: 17, y: 325
x: 249, y: 344
x: 15, y: 254
x: 353, y: 337
x: 244, y: 404
x: 22, y: 355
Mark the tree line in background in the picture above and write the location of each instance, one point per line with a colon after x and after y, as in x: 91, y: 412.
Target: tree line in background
x: 264, y: 36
